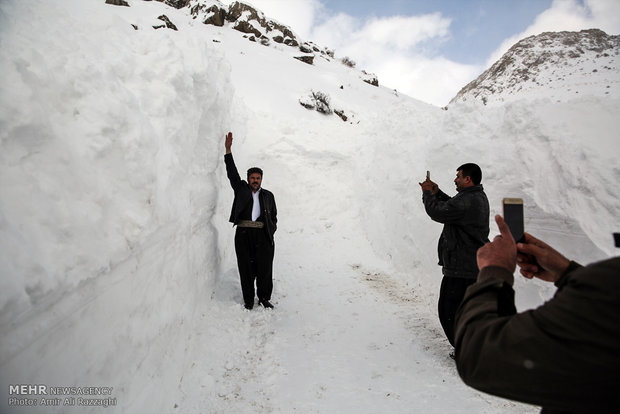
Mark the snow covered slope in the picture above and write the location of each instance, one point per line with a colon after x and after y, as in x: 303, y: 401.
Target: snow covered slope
x: 117, y: 266
x: 560, y: 65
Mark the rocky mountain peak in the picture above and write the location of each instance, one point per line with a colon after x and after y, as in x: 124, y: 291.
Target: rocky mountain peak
x: 558, y: 65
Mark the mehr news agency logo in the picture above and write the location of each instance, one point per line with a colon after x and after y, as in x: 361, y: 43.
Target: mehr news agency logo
x: 30, y: 395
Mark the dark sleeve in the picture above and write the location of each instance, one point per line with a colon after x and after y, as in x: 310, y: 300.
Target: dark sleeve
x: 442, y: 196
x: 564, y: 278
x: 231, y: 171
x: 442, y: 208
x: 550, y: 356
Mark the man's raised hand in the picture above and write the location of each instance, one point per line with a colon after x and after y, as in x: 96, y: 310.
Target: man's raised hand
x: 228, y: 142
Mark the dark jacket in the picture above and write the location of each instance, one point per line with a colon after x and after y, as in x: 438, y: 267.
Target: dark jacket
x: 563, y: 355
x: 466, y: 228
x: 243, y: 196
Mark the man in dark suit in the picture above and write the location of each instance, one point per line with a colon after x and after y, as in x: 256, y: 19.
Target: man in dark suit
x: 254, y: 213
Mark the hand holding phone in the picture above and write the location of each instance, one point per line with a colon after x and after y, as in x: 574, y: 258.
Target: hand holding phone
x: 538, y: 259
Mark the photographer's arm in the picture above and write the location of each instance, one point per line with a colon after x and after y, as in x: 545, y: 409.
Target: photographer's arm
x: 521, y: 356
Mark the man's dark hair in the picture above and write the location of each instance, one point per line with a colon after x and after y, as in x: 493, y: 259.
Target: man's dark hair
x: 471, y: 170
x: 255, y: 170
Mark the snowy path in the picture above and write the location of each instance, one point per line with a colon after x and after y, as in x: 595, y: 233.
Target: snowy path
x: 341, y: 339
x: 347, y: 335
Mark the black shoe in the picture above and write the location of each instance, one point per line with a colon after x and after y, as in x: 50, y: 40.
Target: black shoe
x: 249, y: 306
x: 265, y: 304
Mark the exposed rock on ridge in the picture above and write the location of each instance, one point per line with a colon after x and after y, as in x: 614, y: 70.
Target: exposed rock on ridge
x: 246, y: 19
x: 177, y: 4
x: 560, y: 65
x: 167, y: 23
x: 255, y: 26
x: 117, y: 2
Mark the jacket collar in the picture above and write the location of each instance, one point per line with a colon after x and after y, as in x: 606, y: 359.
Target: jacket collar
x: 473, y: 188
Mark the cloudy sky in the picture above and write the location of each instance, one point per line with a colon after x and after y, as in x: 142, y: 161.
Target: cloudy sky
x: 431, y: 49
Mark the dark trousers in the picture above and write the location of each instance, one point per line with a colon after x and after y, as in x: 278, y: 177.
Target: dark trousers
x: 255, y: 261
x: 450, y: 297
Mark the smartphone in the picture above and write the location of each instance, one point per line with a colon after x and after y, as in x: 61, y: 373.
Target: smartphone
x: 513, y: 216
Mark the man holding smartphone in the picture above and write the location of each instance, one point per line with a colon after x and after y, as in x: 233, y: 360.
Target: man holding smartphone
x: 563, y: 355
x: 466, y: 228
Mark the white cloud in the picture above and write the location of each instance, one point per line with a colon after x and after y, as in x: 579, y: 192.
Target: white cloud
x: 398, y: 32
x: 400, y: 50
x: 569, y: 15
x: 402, y: 32
x: 338, y: 32
x: 432, y: 80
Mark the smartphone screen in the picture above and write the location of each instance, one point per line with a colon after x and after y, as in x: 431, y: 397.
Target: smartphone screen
x: 513, y: 216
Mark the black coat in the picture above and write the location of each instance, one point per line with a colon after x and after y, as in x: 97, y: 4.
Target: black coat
x: 243, y: 196
x: 466, y: 228
x: 563, y: 355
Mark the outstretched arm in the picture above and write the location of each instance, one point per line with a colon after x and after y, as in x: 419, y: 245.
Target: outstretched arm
x: 442, y: 208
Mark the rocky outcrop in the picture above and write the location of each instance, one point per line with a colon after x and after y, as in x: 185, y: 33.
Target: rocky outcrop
x: 318, y: 101
x: 341, y: 114
x: 237, y: 9
x: 167, y: 23
x: 246, y: 27
x: 117, y: 2
x: 177, y: 4
x: 309, y: 59
x: 214, y: 14
x: 256, y: 27
x: 321, y: 102
x: 370, y: 78
x: 245, y: 19
x: 559, y: 64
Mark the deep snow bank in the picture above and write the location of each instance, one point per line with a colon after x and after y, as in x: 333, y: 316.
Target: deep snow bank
x: 109, y: 182
x: 558, y: 157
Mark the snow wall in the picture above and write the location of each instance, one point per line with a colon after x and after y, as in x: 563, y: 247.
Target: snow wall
x: 111, y: 165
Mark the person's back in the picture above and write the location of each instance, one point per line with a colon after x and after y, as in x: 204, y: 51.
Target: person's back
x: 466, y: 228
x: 563, y: 355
